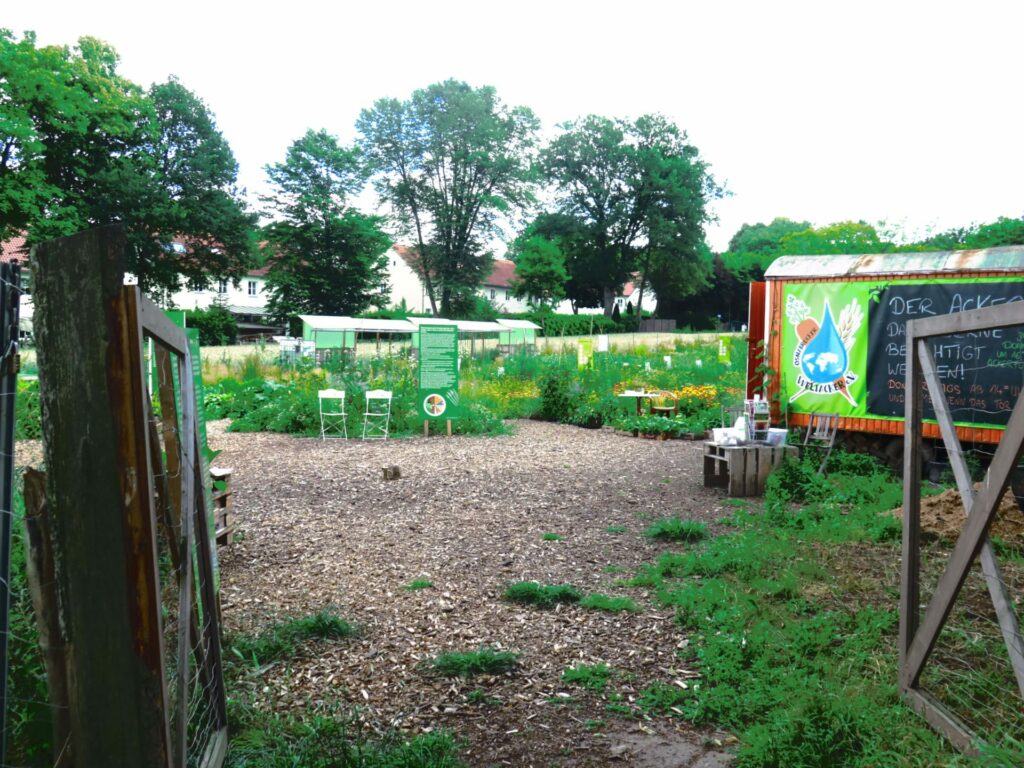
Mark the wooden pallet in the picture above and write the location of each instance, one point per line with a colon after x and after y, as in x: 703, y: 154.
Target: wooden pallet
x: 223, y: 506
x: 742, y: 469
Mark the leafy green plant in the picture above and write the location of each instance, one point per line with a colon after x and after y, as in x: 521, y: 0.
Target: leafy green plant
x: 599, y: 602
x: 674, y: 529
x: 416, y: 584
x: 551, y: 537
x: 541, y: 595
x: 485, y: 661
x: 592, y: 676
x: 615, y: 529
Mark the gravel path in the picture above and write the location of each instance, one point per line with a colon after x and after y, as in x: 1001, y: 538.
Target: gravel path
x: 320, y: 527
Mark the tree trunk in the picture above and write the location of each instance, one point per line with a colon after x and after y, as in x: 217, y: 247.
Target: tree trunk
x: 608, y: 301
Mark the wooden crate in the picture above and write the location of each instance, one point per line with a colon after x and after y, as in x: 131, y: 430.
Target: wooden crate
x: 223, y: 506
x: 742, y: 469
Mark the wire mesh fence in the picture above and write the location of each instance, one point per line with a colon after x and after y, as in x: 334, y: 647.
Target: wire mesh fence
x: 964, y: 656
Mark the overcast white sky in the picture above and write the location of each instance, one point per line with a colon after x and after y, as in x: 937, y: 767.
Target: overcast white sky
x: 824, y: 111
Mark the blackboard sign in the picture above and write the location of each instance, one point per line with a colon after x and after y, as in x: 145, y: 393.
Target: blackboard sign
x: 981, y: 372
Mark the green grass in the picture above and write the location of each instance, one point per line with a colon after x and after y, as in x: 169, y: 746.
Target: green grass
x: 416, y: 584
x: 674, y: 529
x: 284, y: 639
x: 479, y: 696
x: 550, y: 537
x: 615, y: 529
x: 485, y: 661
x: 792, y: 627
x: 592, y: 676
x: 541, y: 595
x: 261, y: 740
x: 613, y: 569
x: 599, y: 602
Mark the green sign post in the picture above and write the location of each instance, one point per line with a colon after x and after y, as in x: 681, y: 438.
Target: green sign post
x: 439, y: 373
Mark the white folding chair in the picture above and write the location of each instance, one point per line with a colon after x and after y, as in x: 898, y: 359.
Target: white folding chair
x: 332, y: 414
x: 377, y: 417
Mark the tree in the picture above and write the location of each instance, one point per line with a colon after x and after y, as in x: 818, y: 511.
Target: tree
x: 217, y: 326
x: 327, y: 259
x: 841, y: 237
x: 540, y: 271
x: 450, y: 161
x: 571, y: 237
x: 640, y: 191
x: 765, y: 239
x: 82, y: 146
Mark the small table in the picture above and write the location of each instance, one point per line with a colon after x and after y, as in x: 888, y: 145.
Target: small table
x: 639, y: 394
x: 743, y: 469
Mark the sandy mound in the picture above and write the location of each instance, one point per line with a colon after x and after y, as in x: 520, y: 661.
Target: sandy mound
x: 943, y: 516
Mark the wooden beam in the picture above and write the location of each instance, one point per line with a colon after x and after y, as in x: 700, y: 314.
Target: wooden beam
x: 970, y: 321
x: 1001, y: 599
x: 941, y: 719
x: 100, y: 494
x: 910, y: 571
x: 157, y: 325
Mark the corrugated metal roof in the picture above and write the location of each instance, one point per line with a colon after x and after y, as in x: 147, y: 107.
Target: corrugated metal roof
x: 931, y: 262
x: 363, y: 324
x: 517, y: 323
x: 464, y: 326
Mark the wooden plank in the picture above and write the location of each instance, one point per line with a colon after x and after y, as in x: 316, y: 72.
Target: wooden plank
x: 100, y: 495
x: 1001, y: 599
x: 910, y: 563
x: 216, y: 750
x: 970, y: 321
x: 941, y: 719
x: 169, y: 427
x: 766, y: 461
x: 968, y: 545
x: 157, y: 325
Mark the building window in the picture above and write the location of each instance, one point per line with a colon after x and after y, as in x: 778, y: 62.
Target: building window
x: 252, y: 287
x: 493, y: 293
x: 222, y: 286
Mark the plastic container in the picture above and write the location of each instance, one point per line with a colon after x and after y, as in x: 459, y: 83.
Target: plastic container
x: 777, y: 436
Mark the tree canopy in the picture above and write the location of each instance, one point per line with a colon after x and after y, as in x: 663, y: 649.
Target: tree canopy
x: 640, y: 192
x: 326, y: 258
x: 450, y: 161
x: 80, y: 146
x: 540, y: 271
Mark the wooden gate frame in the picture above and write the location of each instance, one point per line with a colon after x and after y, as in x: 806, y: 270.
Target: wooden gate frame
x: 918, y: 635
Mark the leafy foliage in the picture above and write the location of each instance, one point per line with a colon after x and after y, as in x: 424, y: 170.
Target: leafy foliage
x: 674, y: 529
x: 592, y: 676
x: 327, y: 258
x: 450, y: 161
x: 599, y: 602
x: 217, y: 326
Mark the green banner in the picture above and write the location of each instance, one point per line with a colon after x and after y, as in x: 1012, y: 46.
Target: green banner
x: 439, y: 371
x: 843, y: 347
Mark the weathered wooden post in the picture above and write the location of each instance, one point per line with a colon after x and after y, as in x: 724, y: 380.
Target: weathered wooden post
x: 100, y: 499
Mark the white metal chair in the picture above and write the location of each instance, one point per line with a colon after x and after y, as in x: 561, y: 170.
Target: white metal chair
x: 333, y: 419
x: 377, y: 417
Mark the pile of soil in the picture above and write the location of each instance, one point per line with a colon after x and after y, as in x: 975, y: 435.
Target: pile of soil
x: 942, y: 516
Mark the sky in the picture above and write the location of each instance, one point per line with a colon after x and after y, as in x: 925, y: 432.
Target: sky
x: 903, y: 112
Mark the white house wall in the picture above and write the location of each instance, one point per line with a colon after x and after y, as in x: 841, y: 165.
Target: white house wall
x: 234, y: 296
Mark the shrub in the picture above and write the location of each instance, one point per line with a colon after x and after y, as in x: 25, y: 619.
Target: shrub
x: 27, y: 416
x: 217, y: 326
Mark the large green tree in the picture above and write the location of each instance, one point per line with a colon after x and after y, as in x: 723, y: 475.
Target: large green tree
x: 641, y: 193
x: 326, y: 258
x: 452, y: 162
x: 82, y: 146
x: 838, y: 238
x: 540, y: 270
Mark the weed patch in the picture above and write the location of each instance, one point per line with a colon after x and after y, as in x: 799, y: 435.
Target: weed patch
x: 592, y: 676
x: 541, y: 595
x: 550, y: 537
x: 416, y: 584
x: 674, y: 529
x: 485, y: 661
x: 599, y: 602
x: 284, y: 639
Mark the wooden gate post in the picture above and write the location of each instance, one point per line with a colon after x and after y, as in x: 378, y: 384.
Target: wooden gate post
x: 97, y: 458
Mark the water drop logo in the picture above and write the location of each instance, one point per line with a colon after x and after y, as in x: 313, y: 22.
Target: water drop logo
x: 822, y: 354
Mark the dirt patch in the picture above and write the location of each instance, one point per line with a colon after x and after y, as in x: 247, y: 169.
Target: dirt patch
x: 320, y: 527
x: 942, y: 516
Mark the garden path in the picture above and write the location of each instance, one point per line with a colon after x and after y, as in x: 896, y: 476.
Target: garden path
x: 319, y: 528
